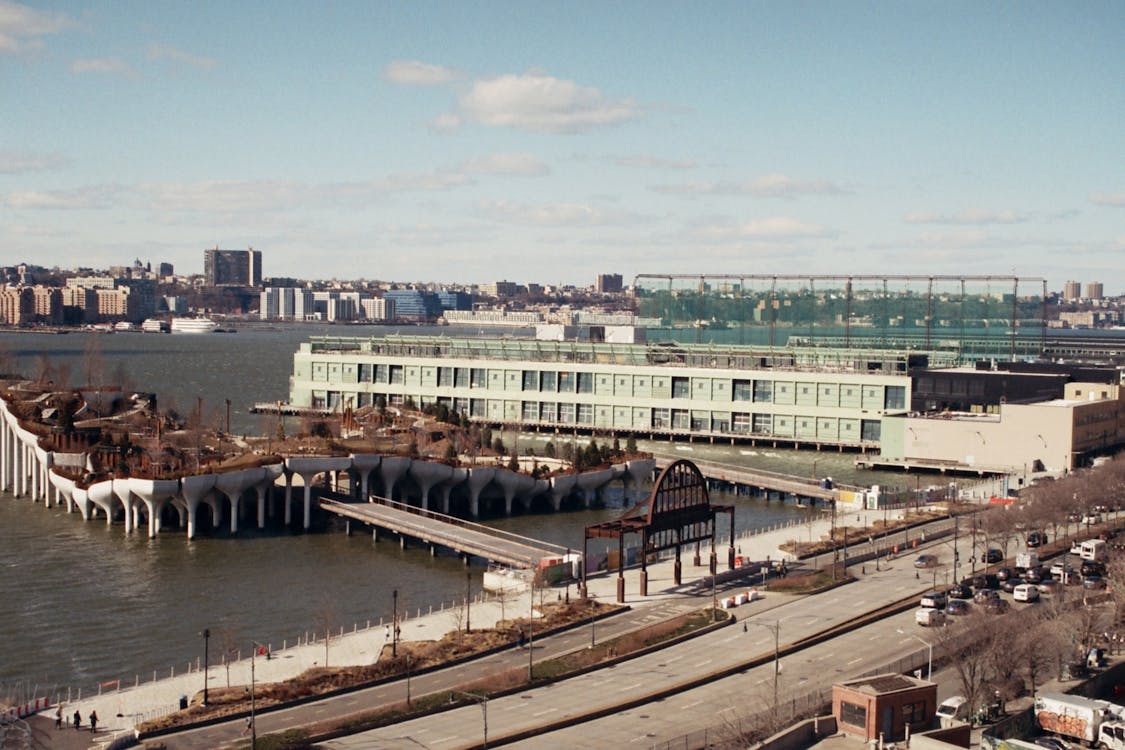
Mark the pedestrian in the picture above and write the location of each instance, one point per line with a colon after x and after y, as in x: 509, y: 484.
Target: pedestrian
x: 77, y: 719
x: 58, y: 717
x: 93, y: 721
x: 249, y: 725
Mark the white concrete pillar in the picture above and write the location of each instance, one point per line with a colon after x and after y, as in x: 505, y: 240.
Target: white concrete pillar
x: 478, y: 480
x: 363, y: 464
x: 193, y: 489
x: 101, y: 495
x: 288, y: 498
x: 392, y: 469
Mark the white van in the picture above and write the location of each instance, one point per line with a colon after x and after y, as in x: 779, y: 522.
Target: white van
x: 953, y: 711
x: 1093, y: 549
x: 928, y: 617
x: 1025, y: 592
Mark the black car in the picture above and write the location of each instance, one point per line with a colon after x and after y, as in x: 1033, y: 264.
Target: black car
x: 1094, y: 583
x: 1004, y: 574
x: 1036, y: 539
x: 993, y: 556
x: 1092, y: 568
x: 957, y: 607
x: 996, y: 606
x: 984, y: 596
x: 985, y: 581
x: 960, y: 591
x: 1052, y: 743
x: 1036, y: 575
x: 1009, y: 584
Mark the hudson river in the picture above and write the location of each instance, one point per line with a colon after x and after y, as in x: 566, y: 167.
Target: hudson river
x: 82, y: 603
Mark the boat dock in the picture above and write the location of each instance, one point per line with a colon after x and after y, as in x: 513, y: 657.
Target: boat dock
x: 438, y: 529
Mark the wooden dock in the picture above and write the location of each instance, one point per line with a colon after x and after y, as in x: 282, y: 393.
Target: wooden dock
x: 459, y: 535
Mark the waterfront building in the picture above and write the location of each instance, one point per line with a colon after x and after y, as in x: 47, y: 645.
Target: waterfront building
x: 377, y: 308
x: 414, y: 304
x: 511, y: 318
x: 797, y: 396
x: 232, y: 267
x: 48, y: 304
x: 451, y: 299
x: 80, y: 305
x: 499, y: 289
x: 286, y: 303
x: 1072, y: 291
x: 17, y: 306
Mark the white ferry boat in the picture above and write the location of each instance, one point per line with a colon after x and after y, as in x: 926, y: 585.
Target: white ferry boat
x: 193, y: 325
x: 154, y: 325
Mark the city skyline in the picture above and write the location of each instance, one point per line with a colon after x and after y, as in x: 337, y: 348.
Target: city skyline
x: 441, y: 142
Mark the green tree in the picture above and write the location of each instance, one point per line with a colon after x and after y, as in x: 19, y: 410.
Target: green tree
x: 549, y: 449
x: 631, y: 446
x: 514, y: 462
x: 498, y: 446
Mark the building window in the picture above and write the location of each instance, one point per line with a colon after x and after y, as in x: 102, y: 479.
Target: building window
x: 681, y: 388
x: 853, y: 714
x: 680, y: 419
x: 895, y: 397
x: 461, y: 405
x: 396, y: 374
x: 547, y: 412
x: 566, y: 382
x: 566, y: 413
x: 445, y: 377
x: 700, y: 424
x: 381, y: 375
x: 365, y: 373
x: 914, y: 713
x: 763, y: 390
x: 661, y: 418
x: 585, y: 382
x: 531, y: 380
x: 743, y: 391
x: 741, y: 422
x: 478, y: 378
x: 477, y: 407
x: 530, y: 411
x: 461, y: 377
x: 870, y: 430
x: 585, y: 414
x: 548, y: 381
x: 763, y: 423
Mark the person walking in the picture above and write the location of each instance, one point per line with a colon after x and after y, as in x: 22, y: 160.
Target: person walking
x: 58, y: 717
x: 93, y: 721
x: 77, y: 719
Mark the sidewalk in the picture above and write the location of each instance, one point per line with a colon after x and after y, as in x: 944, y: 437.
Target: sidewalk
x: 121, y: 710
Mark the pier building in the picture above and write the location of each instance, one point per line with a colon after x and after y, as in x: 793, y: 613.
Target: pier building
x: 784, y: 396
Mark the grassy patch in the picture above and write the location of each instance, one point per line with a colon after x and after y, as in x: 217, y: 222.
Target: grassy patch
x: 804, y: 584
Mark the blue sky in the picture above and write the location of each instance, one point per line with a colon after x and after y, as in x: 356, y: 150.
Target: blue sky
x: 548, y: 142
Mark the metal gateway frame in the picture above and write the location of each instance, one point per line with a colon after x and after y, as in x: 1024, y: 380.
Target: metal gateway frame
x: 677, y: 512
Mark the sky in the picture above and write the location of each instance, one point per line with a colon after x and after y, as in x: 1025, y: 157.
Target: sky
x: 548, y: 142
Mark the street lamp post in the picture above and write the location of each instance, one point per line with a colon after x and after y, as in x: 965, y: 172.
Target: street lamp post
x: 206, y: 662
x: 468, y: 598
x: 930, y: 656
x: 482, y: 700
x: 394, y: 624
x: 776, y: 628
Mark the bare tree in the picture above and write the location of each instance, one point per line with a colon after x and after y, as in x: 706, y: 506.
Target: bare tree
x: 971, y: 649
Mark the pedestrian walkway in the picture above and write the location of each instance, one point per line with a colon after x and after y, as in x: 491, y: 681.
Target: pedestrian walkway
x: 121, y: 710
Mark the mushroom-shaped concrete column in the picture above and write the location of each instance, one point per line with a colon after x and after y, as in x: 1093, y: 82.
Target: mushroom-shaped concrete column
x: 427, y: 475
x: 154, y: 493
x: 262, y: 486
x: 456, y: 477
x: 82, y: 500
x: 392, y: 469
x: 121, y: 492
x: 43, y: 463
x: 364, y: 464
x: 101, y: 495
x: 512, y: 484
x: 231, y: 484
x: 193, y: 489
x: 64, y: 488
x: 478, y: 480
x: 561, y: 487
x: 308, y: 468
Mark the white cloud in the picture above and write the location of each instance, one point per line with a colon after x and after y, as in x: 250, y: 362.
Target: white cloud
x: 978, y: 217
x: 643, y: 161
x: 446, y: 122
x: 103, y: 65
x: 21, y: 27
x: 14, y: 162
x: 415, y: 73
x: 1108, y: 199
x: 512, y: 164
x: 554, y: 214
x: 541, y: 103
x: 168, y: 52
x: 92, y: 197
x: 778, y: 228
x: 766, y: 186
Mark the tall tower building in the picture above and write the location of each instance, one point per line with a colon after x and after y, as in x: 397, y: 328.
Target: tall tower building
x: 1072, y: 291
x: 1094, y: 290
x: 232, y: 267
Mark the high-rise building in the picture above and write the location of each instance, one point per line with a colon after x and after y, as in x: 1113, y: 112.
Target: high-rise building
x: 414, y: 304
x: 48, y: 304
x: 17, y: 306
x: 608, y: 283
x: 1094, y: 290
x: 1072, y: 291
x: 285, y: 303
x: 232, y: 267
x: 451, y: 299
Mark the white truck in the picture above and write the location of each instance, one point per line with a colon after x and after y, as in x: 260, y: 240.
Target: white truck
x: 1084, y: 719
x: 1093, y: 549
x: 1027, y: 560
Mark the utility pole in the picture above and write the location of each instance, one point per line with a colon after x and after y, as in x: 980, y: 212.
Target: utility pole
x: 394, y: 624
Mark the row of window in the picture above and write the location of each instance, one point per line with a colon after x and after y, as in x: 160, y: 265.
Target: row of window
x: 846, y: 395
x: 632, y: 418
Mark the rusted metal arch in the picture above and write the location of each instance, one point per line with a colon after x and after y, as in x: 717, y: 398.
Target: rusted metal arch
x: 678, y: 511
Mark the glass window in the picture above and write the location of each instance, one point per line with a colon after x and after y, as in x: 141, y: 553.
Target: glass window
x: 700, y: 424
x: 461, y: 405
x: 741, y: 422
x: 461, y: 377
x: 680, y: 420
x: 566, y: 382
x: 365, y: 373
x: 743, y: 391
x: 530, y: 411
x: 477, y: 407
x: 763, y: 423
x: 585, y: 382
x: 397, y: 374
x: 870, y: 429
x: 445, y: 377
x: 381, y: 375
x: 661, y: 418
x: 548, y: 381
x: 853, y: 714
x: 895, y: 397
x: 547, y: 412
x: 566, y: 413
x: 763, y: 390
x: 478, y: 378
x: 681, y: 388
x: 585, y: 414
x: 531, y: 380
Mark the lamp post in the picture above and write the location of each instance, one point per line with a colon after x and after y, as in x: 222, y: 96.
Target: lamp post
x: 468, y: 598
x: 929, y: 646
x: 394, y: 624
x: 482, y: 700
x: 776, y: 628
x: 253, y: 723
x: 206, y: 663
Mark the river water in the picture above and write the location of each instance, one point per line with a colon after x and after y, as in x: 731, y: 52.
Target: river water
x: 82, y: 603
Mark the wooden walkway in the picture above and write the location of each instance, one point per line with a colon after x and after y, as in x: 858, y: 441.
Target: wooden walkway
x: 457, y: 534
x: 766, y: 480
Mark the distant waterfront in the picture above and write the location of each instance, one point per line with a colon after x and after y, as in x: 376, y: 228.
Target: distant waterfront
x: 83, y: 603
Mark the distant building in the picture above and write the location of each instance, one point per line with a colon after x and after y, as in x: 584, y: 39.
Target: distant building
x: 286, y: 303
x: 1094, y: 290
x: 166, y: 269
x: 17, y: 306
x: 377, y: 309
x: 500, y: 289
x: 232, y: 267
x: 608, y: 283
x: 455, y: 300
x: 1072, y: 291
x: 48, y: 304
x: 414, y: 304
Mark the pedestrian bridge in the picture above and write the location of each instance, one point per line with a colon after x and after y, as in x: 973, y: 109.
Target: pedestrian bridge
x: 438, y: 529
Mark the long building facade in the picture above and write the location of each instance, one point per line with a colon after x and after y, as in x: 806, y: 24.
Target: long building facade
x: 791, y: 396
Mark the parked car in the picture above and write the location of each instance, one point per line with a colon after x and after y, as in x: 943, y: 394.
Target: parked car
x: 1036, y: 538
x: 1036, y: 575
x: 926, y: 561
x: 1052, y: 743
x: 1009, y: 584
x: 1005, y: 573
x: 1092, y: 518
x: 1049, y: 586
x: 1092, y: 568
x: 957, y: 607
x: 960, y: 591
x: 934, y: 599
x: 1025, y: 592
x: 985, y: 595
x: 928, y: 617
x: 985, y: 581
x: 1094, y: 583
x: 996, y: 606
x: 993, y: 555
